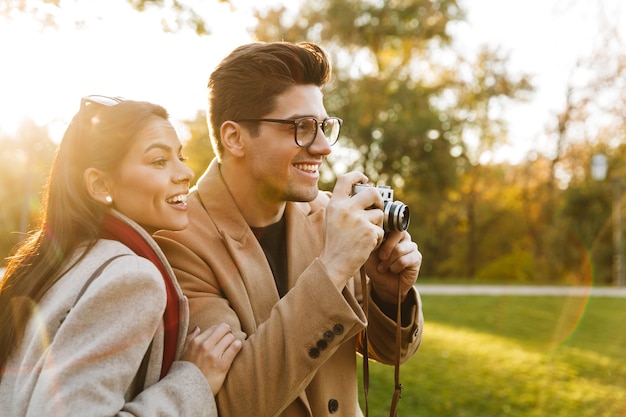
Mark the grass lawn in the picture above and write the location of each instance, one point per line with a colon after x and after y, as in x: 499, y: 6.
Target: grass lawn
x: 487, y: 356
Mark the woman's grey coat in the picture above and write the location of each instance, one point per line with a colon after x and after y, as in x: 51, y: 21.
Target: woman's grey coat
x: 87, y: 365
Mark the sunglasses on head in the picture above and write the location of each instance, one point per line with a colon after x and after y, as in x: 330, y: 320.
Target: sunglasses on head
x: 86, y: 116
x: 98, y: 99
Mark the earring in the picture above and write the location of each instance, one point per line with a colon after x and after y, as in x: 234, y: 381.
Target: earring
x: 108, y: 199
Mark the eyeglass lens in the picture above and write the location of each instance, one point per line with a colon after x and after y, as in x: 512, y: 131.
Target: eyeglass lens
x: 306, y: 130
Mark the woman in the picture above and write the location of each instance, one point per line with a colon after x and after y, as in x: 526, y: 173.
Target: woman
x: 93, y: 320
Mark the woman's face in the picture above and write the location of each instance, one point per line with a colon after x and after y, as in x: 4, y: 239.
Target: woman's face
x: 151, y: 184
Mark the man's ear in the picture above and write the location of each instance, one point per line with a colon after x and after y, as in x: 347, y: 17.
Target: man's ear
x: 97, y: 185
x: 231, y: 134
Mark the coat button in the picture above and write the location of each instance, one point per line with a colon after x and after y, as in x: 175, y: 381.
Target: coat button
x: 333, y: 406
x: 415, y: 334
x: 314, y: 353
x: 338, y: 329
x: 329, y: 336
x: 322, y: 344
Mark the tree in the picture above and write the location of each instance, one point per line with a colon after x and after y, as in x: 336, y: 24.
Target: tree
x: 198, y: 146
x: 592, y: 118
x: 186, y: 14
x: 474, y: 102
x: 25, y: 162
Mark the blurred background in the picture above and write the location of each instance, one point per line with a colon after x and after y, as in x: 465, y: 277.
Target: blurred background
x: 486, y: 117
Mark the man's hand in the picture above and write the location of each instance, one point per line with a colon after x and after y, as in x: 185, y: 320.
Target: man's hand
x: 353, y: 228
x: 397, y: 260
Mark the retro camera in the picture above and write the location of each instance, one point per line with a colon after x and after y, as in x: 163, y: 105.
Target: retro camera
x: 396, y: 214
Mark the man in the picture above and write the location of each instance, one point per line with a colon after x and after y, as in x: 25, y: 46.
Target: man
x: 268, y: 253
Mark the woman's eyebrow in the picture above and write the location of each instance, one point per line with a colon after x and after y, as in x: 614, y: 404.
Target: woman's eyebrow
x: 159, y: 145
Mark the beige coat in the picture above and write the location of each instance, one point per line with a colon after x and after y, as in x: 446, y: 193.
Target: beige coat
x: 86, y: 366
x: 299, y: 357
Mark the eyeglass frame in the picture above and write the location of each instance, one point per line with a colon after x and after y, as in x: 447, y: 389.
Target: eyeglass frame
x: 294, y: 122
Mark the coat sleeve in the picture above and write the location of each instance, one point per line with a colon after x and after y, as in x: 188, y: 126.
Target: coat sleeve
x: 381, y: 331
x: 91, y: 363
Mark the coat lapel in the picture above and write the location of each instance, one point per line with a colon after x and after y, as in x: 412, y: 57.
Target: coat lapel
x: 255, y: 273
x: 303, y: 242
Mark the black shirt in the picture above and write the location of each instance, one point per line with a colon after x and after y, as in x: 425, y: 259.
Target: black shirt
x: 273, y: 241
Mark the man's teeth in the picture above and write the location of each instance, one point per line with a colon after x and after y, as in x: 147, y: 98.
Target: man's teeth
x: 182, y: 198
x: 304, y: 167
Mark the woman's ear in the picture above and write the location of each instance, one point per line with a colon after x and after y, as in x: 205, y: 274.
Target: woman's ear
x: 231, y: 134
x: 97, y: 185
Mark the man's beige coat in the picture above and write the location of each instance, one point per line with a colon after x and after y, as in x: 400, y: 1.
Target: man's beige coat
x: 299, y: 357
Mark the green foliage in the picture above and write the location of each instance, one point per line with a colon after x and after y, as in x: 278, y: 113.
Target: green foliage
x: 512, y: 356
x: 517, y: 266
x: 185, y: 15
x: 364, y: 24
x: 25, y: 162
x: 593, y: 235
x: 197, y: 147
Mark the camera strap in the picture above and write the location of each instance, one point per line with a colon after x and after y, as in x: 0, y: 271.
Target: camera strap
x: 397, y: 394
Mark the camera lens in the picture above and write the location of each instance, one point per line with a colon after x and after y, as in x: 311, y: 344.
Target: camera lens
x: 396, y: 217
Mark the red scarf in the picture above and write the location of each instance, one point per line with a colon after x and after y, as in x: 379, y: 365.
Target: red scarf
x: 116, y: 229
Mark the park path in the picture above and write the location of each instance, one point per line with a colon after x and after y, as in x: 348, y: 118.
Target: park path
x: 530, y: 290
x: 495, y: 290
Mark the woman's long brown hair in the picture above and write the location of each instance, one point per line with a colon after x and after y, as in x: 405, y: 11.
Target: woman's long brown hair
x: 99, y: 136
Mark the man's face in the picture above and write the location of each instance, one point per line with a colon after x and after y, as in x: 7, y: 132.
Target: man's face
x: 283, y: 170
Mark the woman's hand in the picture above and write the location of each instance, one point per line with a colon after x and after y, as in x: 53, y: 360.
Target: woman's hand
x: 213, y: 351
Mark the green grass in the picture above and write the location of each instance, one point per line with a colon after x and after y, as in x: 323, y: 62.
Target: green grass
x: 484, y: 356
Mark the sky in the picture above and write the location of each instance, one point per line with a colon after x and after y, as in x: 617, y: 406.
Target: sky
x: 545, y: 39
x: 123, y: 53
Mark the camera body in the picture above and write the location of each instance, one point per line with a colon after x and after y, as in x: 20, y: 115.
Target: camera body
x: 396, y: 214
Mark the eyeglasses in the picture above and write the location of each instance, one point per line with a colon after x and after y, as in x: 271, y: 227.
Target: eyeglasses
x: 98, y: 99
x: 305, y: 128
